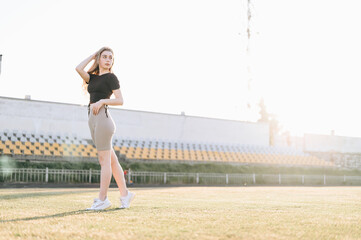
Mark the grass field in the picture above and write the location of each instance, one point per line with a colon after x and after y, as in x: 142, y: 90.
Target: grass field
x: 184, y: 213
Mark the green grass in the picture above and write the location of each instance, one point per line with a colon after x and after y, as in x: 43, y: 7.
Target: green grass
x: 184, y: 213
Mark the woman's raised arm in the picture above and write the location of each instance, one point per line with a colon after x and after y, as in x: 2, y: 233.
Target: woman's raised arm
x: 82, y: 65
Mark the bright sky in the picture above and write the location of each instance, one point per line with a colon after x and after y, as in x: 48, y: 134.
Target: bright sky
x: 190, y: 55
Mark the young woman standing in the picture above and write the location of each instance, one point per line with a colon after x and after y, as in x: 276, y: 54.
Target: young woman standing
x: 101, y: 83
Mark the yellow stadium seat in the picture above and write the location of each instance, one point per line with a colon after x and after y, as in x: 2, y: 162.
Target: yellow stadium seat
x: 7, y: 151
x: 12, y: 146
x: 84, y: 154
x: 17, y: 151
x: 66, y: 153
x: 93, y: 154
x: 57, y: 153
x: 47, y: 153
x: 37, y: 152
x: 32, y: 147
x: 122, y: 151
x: 27, y: 152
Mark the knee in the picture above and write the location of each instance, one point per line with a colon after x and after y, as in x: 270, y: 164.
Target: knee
x: 104, y: 159
x: 114, y: 159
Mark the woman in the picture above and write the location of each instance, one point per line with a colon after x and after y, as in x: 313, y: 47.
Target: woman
x: 101, y: 83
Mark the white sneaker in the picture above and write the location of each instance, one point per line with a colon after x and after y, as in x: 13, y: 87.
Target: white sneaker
x: 100, y: 205
x: 125, y: 201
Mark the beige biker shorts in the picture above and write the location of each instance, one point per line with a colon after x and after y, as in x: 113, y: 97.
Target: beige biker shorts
x: 102, y: 128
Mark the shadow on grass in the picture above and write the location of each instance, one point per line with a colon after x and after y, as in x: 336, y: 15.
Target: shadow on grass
x: 78, y: 212
x: 41, y: 194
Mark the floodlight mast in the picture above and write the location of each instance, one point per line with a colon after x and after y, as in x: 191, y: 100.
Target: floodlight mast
x: 249, y: 82
x: 1, y: 56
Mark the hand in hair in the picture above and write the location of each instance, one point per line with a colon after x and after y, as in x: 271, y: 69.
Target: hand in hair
x: 95, y: 54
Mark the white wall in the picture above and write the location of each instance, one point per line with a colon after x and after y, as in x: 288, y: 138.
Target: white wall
x: 330, y: 143
x: 293, y: 142
x: 41, y: 116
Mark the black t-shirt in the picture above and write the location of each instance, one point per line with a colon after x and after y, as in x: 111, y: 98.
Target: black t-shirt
x: 100, y: 87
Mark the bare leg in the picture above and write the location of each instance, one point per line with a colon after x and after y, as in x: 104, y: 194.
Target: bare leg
x: 118, y: 174
x: 105, y: 173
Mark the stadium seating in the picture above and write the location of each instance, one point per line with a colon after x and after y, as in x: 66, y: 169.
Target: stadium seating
x: 60, y: 145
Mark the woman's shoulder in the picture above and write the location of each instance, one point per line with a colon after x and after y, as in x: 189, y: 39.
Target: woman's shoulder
x: 105, y: 76
x: 109, y: 74
x: 112, y: 76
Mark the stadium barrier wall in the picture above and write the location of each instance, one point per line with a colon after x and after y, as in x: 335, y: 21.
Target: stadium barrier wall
x: 331, y: 144
x: 32, y: 175
x: 43, y: 117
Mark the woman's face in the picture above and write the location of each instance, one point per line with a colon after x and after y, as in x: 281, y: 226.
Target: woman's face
x: 106, y: 60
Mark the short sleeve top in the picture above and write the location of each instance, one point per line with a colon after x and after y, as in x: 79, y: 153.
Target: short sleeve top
x: 101, y: 87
